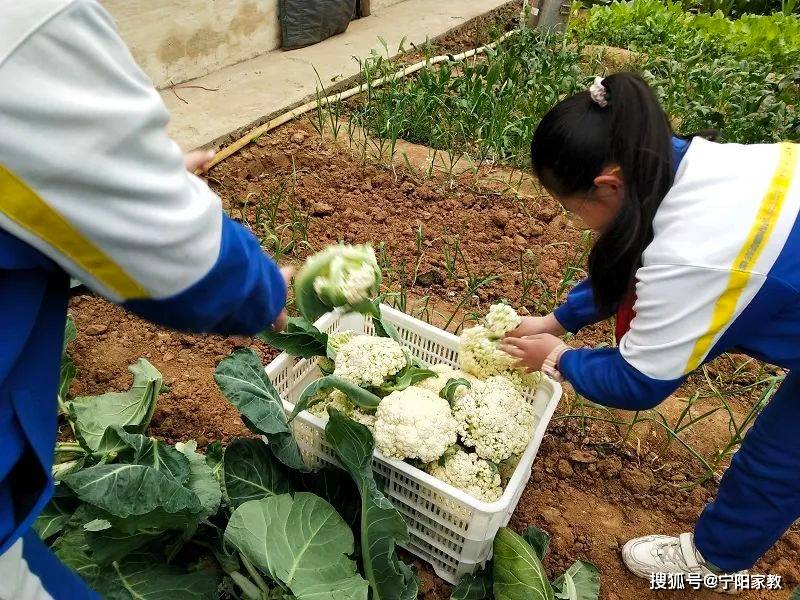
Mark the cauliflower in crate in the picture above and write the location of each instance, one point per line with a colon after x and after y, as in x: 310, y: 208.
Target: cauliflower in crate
x: 339, y: 400
x: 414, y: 424
x: 338, y: 276
x: 468, y: 472
x: 494, y: 418
x: 479, y: 352
x: 444, y: 373
x: 369, y: 361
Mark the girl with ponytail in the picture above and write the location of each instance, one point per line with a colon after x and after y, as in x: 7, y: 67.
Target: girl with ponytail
x: 697, y: 251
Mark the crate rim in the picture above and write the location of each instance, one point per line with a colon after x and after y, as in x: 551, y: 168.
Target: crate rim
x: 531, y: 450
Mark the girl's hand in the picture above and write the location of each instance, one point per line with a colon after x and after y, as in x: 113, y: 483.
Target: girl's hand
x: 537, y: 325
x: 531, y: 350
x: 198, y: 161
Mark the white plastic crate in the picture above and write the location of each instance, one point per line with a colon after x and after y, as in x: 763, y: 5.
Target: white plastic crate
x: 448, y: 528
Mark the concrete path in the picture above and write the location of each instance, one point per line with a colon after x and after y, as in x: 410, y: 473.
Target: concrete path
x: 251, y: 92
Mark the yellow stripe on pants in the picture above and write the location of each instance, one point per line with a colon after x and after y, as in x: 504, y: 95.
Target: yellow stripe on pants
x: 767, y: 216
x: 23, y: 206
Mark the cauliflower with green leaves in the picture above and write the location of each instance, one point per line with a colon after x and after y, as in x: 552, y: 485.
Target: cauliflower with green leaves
x: 494, y: 418
x: 414, y: 423
x: 337, y: 340
x: 338, y: 276
x: 368, y: 361
x: 339, y: 400
x: 468, y: 472
x: 444, y: 373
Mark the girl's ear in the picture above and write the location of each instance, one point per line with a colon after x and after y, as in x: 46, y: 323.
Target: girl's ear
x: 610, y: 185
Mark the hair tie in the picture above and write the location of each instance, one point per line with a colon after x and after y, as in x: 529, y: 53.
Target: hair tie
x: 599, y: 93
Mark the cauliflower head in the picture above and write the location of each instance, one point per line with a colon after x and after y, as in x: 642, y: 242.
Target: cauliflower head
x: 500, y: 319
x: 351, y: 274
x: 339, y: 400
x: 368, y: 361
x: 470, y: 473
x: 337, y: 340
x: 479, y: 351
x: 444, y: 373
x: 480, y: 355
x: 495, y: 418
x: 414, y: 423
x: 340, y: 275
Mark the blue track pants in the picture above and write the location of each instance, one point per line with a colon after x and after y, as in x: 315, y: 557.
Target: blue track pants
x: 759, y: 495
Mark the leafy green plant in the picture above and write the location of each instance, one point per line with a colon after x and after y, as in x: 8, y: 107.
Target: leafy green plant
x: 709, y: 71
x: 137, y: 517
x: 516, y: 573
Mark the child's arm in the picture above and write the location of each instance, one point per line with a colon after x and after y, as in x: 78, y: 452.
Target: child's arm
x: 579, y: 310
x: 683, y: 318
x: 91, y: 179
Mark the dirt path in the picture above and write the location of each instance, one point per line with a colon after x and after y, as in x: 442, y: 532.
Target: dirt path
x: 589, y: 489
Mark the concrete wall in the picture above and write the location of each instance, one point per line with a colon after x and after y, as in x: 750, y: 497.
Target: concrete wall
x: 178, y: 40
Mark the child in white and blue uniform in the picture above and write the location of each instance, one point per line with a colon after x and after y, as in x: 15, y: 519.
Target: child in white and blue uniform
x: 91, y: 186
x: 705, y: 239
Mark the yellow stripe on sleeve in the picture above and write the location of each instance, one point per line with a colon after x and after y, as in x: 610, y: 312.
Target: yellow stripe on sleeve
x: 768, y: 213
x: 23, y: 206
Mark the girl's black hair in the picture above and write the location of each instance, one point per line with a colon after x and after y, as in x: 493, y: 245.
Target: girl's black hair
x: 578, y: 138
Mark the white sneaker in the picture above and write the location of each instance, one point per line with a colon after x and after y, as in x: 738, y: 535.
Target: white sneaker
x: 674, y: 563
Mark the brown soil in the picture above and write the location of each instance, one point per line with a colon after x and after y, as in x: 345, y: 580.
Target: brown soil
x: 590, y: 489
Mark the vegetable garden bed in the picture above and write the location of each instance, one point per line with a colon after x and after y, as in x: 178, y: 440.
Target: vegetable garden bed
x: 450, y: 247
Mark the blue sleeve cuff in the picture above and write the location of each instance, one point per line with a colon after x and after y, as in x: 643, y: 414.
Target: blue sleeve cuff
x: 243, y: 293
x: 605, y: 377
x: 579, y: 309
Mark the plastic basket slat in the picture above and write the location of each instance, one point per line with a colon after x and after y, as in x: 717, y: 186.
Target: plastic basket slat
x: 447, y: 528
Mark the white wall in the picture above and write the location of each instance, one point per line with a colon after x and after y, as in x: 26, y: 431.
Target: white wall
x: 177, y: 40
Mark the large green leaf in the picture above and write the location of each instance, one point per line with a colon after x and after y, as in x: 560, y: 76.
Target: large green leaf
x: 795, y: 594
x: 54, y: 517
x: 357, y: 395
x: 539, y: 540
x: 333, y: 485
x: 124, y: 490
x: 475, y: 586
x: 91, y: 415
x: 145, y: 576
x: 299, y: 338
x: 381, y: 525
x: 580, y: 582
x: 518, y: 572
x: 148, y: 451
x: 201, y: 479
x: 73, y: 550
x: 107, y: 544
x: 242, y: 379
x: 112, y: 544
x: 300, y: 541
x: 251, y: 472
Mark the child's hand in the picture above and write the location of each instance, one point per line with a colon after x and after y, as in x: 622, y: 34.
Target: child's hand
x: 198, y: 161
x: 537, y: 325
x: 531, y: 350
